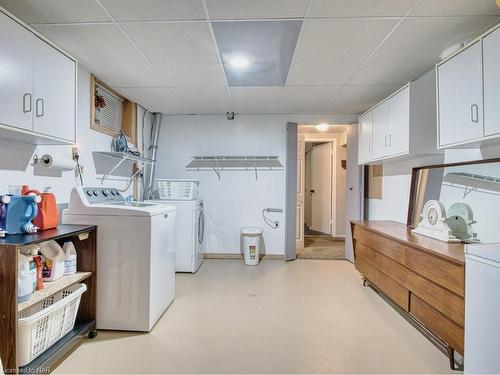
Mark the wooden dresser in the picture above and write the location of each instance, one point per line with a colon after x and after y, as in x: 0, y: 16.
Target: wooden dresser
x: 425, y: 277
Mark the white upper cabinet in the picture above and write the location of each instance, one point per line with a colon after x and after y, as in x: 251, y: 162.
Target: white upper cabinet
x: 403, y: 124
x: 365, y: 138
x: 37, y: 88
x: 398, y: 135
x: 491, y: 71
x: 460, y: 97
x: 16, y: 74
x: 380, y: 130
x: 54, y: 92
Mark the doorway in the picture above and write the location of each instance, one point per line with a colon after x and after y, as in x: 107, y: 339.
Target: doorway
x: 321, y: 185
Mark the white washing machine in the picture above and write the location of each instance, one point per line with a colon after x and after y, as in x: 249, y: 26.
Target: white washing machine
x: 189, y: 233
x: 135, y: 256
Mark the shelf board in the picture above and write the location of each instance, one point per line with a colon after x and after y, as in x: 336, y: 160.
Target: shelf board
x: 124, y: 155
x: 45, y: 363
x: 52, y: 287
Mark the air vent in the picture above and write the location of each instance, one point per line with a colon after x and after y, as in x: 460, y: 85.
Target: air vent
x: 108, y: 109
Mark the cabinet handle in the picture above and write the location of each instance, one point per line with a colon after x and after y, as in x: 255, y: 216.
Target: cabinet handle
x: 385, y: 140
x: 37, y: 107
x: 27, y: 103
x: 474, y: 113
x: 390, y: 140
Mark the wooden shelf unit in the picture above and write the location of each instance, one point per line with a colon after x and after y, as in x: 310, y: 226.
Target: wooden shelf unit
x: 84, y: 238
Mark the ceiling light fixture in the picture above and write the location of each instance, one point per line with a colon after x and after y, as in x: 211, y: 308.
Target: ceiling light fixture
x: 322, y: 127
x: 239, y: 62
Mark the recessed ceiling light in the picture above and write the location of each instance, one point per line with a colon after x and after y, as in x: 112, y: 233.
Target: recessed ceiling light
x: 239, y: 62
x: 322, y: 127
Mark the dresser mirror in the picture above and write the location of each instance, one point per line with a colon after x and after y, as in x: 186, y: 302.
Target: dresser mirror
x: 469, y: 193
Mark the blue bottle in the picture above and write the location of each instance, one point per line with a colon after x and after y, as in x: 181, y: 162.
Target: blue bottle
x: 4, y: 200
x: 20, y: 211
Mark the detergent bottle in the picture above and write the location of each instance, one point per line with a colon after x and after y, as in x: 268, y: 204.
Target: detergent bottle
x: 47, y: 217
x: 20, y: 211
x: 53, y: 260
x: 4, y: 200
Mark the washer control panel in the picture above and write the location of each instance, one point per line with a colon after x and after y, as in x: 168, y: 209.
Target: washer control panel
x: 95, y: 195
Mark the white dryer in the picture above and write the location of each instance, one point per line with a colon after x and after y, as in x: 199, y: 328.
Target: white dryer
x: 189, y: 233
x: 135, y: 256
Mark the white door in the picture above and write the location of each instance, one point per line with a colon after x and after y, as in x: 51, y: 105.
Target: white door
x: 460, y: 97
x: 491, y: 72
x: 300, y: 191
x: 398, y: 137
x: 16, y: 74
x: 380, y: 130
x: 365, y: 138
x: 321, y: 198
x: 354, y: 193
x: 54, y: 92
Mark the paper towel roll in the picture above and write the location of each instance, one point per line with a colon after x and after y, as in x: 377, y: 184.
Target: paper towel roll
x: 48, y: 162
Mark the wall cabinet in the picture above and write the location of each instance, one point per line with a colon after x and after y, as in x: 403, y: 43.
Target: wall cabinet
x: 38, y: 91
x: 460, y: 97
x: 468, y: 92
x: 402, y: 125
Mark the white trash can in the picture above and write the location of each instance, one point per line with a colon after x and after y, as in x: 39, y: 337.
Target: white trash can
x: 251, y: 239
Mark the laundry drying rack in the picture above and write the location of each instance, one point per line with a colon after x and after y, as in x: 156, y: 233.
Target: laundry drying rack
x: 219, y: 164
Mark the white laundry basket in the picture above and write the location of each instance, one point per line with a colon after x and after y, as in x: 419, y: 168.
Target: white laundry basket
x: 251, y: 240
x: 44, y: 323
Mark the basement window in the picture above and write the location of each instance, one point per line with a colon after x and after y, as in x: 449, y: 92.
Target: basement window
x: 111, y: 112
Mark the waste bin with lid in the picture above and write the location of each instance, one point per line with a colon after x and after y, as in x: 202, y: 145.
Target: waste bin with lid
x: 251, y: 238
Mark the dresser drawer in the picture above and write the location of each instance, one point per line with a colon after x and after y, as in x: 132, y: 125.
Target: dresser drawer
x: 390, y: 287
x: 439, y: 324
x: 448, y: 303
x: 442, y: 272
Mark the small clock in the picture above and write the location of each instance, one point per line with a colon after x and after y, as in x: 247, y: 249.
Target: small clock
x: 460, y: 219
x: 433, y: 223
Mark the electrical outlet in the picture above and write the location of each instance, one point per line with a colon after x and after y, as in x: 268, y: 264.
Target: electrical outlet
x: 75, y: 152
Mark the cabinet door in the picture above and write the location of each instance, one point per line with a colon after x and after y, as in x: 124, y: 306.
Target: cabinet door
x: 491, y: 81
x: 380, y: 130
x: 365, y: 138
x: 460, y: 97
x: 54, y: 100
x: 398, y: 138
x: 16, y: 74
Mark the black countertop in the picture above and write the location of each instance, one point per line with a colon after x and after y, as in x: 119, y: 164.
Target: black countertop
x: 62, y: 230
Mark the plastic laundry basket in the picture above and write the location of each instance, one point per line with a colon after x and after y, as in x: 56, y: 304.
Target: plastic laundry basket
x: 44, y: 323
x: 251, y: 239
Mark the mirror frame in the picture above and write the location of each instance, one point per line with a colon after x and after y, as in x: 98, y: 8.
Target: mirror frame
x: 414, y: 175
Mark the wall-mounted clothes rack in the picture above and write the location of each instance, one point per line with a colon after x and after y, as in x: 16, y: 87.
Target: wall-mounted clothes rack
x: 472, y: 182
x: 120, y: 159
x: 234, y: 163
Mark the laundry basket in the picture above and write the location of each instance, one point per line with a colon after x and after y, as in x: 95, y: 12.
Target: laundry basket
x: 44, y: 323
x: 172, y: 189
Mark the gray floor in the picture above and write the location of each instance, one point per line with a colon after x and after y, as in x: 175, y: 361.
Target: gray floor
x: 305, y: 316
x: 322, y: 247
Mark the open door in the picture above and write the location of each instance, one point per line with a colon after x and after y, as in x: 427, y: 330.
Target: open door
x: 291, y: 192
x: 321, y: 192
x: 354, y: 184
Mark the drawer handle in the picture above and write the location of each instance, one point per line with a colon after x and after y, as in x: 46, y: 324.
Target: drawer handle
x: 37, y: 107
x: 390, y: 140
x: 27, y: 103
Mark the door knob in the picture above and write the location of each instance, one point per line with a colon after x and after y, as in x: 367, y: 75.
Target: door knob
x: 311, y: 191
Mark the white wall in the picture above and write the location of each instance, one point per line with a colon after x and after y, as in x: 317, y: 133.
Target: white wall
x: 16, y: 157
x: 237, y: 199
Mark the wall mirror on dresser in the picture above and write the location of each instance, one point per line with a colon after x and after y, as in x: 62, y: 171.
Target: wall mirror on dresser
x: 469, y: 193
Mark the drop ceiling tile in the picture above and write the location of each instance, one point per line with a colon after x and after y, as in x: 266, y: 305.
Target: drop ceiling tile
x: 456, y: 8
x: 248, y: 100
x: 55, y: 11
x: 359, y: 8
x: 155, y: 10
x: 184, y: 52
x: 415, y: 45
x: 106, y: 52
x: 182, y: 100
x: 329, y: 51
x: 308, y: 99
x: 358, y: 99
x: 245, y: 9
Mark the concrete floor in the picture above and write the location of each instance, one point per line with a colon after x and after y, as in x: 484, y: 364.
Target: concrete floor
x: 305, y: 316
x: 322, y: 247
